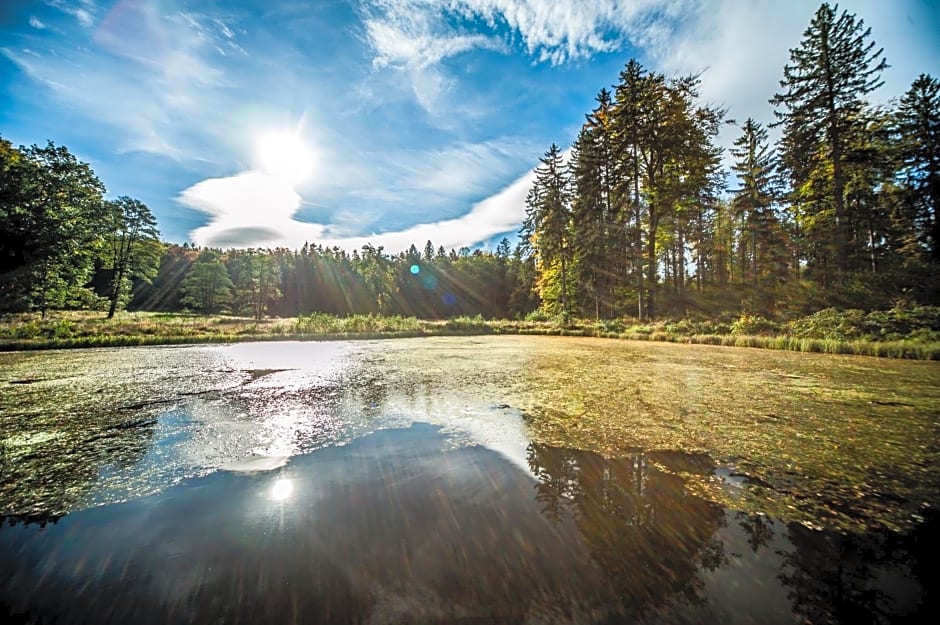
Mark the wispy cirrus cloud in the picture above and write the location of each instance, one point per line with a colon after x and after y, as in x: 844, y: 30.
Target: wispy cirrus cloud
x: 414, y: 43
x: 84, y: 11
x: 551, y: 31
x: 157, y: 69
x: 414, y: 37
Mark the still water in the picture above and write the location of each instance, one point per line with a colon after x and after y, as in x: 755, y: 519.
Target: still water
x: 334, y: 483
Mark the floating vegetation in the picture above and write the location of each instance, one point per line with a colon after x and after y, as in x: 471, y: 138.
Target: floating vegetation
x: 831, y: 441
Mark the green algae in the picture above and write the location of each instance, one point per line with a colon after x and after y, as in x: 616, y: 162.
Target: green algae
x: 836, y: 441
x: 833, y: 441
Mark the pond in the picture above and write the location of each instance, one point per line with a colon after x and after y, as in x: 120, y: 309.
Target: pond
x: 489, y: 479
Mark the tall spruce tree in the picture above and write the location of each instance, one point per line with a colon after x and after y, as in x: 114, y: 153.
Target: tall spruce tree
x: 635, y: 95
x: 547, y: 228
x: 823, y: 91
x: 588, y: 222
x: 918, y: 121
x: 752, y: 201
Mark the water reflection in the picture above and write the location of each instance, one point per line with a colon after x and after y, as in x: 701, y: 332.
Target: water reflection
x: 282, y: 489
x: 405, y: 526
x: 648, y: 535
x: 876, y: 578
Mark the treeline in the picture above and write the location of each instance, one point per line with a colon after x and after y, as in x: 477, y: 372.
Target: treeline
x: 430, y: 283
x: 63, y: 246
x: 842, y: 211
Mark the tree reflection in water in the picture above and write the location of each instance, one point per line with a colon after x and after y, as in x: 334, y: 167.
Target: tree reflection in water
x: 864, y: 579
x: 647, y: 534
x: 404, y: 526
x: 661, y: 548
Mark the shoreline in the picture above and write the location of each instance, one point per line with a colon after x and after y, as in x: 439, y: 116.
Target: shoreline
x: 119, y: 336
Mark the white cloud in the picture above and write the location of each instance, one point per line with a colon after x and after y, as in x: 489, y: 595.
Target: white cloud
x: 413, y: 43
x: 550, y: 30
x: 413, y: 37
x: 82, y: 10
x: 36, y: 23
x: 369, y: 189
x: 255, y: 210
x: 459, y: 170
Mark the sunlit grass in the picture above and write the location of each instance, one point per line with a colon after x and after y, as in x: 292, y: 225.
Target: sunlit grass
x: 72, y: 329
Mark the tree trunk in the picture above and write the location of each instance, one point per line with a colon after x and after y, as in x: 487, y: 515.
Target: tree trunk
x: 638, y: 236
x: 651, y: 266
x: 116, y: 292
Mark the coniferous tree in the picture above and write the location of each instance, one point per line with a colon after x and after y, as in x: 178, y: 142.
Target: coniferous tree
x: 823, y: 91
x: 588, y: 222
x: 752, y: 202
x: 918, y: 121
x: 254, y: 274
x: 635, y: 94
x: 547, y: 227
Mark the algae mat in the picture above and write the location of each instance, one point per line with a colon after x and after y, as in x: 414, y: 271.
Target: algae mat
x: 831, y: 441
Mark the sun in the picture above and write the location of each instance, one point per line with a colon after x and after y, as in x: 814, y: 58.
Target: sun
x: 284, y: 155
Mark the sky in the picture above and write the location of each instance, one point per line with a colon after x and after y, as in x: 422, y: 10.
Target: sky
x: 264, y: 123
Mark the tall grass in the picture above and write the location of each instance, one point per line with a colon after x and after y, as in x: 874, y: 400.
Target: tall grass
x: 73, y: 329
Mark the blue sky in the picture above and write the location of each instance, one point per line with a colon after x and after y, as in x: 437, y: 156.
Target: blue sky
x: 417, y: 119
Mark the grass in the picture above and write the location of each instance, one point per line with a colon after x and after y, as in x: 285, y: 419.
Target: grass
x: 73, y: 329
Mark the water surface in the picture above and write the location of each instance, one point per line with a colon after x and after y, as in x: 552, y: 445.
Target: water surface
x: 406, y: 525
x: 508, y: 479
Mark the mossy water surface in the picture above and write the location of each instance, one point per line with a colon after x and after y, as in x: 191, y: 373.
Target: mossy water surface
x: 833, y: 441
x: 827, y: 440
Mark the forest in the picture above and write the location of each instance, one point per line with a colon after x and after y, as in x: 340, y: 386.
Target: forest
x: 640, y: 219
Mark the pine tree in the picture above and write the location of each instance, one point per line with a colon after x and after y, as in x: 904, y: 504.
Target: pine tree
x: 823, y: 90
x: 752, y: 202
x: 588, y: 221
x: 918, y: 120
x: 547, y: 227
x: 635, y: 94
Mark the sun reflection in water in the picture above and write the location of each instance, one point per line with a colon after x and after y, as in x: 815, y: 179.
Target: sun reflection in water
x: 282, y: 489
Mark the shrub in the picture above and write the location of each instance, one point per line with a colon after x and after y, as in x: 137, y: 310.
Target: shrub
x: 753, y: 325
x: 536, y: 316
x: 465, y: 323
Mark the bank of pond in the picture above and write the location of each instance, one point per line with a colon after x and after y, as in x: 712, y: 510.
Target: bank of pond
x: 900, y: 333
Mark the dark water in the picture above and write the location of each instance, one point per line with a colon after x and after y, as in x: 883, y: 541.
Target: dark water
x: 406, y: 526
